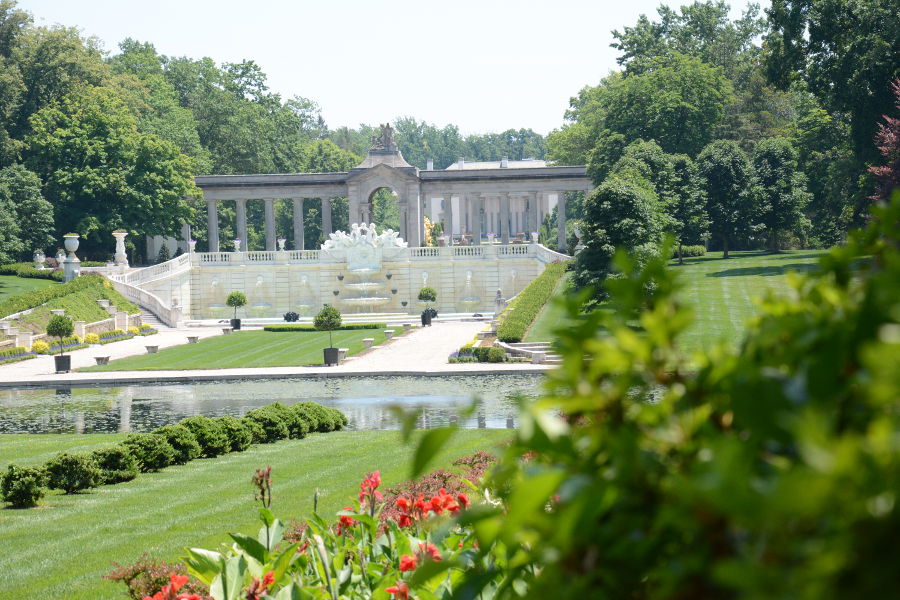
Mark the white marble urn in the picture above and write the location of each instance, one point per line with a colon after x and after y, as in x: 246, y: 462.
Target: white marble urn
x: 120, y: 255
x: 281, y: 242
x: 192, y: 245
x: 71, y: 243
x: 237, y: 245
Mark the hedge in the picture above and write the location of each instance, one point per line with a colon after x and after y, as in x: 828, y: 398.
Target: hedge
x: 689, y: 251
x: 116, y: 335
x: 344, y: 327
x: 70, y: 343
x: 525, y: 307
x: 28, y: 270
x: 11, y: 355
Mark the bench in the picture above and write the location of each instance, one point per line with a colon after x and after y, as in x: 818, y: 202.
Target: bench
x: 407, y: 326
x: 388, y: 334
x: 367, y: 342
x: 193, y: 339
x: 152, y: 349
x: 226, y: 330
x: 102, y: 360
x: 342, y: 354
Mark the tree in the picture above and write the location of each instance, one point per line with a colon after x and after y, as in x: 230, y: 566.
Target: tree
x: 783, y: 190
x: 732, y: 201
x: 236, y: 300
x: 101, y: 173
x: 60, y: 326
x: 10, y: 244
x: 888, y: 139
x: 328, y: 319
x: 620, y: 213
x: 21, y: 189
x: 686, y: 207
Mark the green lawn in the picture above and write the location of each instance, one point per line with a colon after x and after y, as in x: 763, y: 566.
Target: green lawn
x: 10, y: 285
x: 61, y: 549
x: 721, y: 293
x: 247, y: 349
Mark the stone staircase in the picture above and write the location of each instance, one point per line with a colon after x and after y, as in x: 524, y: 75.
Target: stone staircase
x: 150, y: 319
x: 539, y: 352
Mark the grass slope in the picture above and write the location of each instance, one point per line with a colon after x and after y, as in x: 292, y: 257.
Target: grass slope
x: 10, y: 285
x: 61, y: 550
x: 551, y: 317
x: 247, y: 349
x: 721, y: 293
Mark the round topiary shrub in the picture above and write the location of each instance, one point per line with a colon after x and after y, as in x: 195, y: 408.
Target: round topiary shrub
x: 328, y: 319
x: 297, y: 427
x: 257, y: 433
x: 73, y: 472
x: 182, y: 441
x: 152, y: 451
x: 236, y: 430
x: 236, y: 300
x: 23, y: 487
x: 325, y: 420
x: 209, y: 434
x: 303, y: 411
x: 39, y: 347
x: 117, y: 464
x: 91, y: 338
x: 60, y: 327
x: 273, y: 424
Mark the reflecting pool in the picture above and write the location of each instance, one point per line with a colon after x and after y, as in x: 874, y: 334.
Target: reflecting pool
x: 365, y: 400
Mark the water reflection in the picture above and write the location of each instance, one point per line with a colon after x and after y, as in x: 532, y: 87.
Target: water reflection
x: 365, y: 400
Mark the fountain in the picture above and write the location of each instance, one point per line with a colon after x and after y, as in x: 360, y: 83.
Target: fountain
x: 363, y: 250
x: 260, y: 308
x: 216, y: 310
x: 469, y: 301
x: 305, y: 304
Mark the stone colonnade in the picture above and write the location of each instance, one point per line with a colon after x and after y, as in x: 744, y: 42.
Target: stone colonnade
x: 240, y: 205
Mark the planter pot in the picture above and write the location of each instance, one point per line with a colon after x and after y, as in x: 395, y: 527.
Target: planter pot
x: 63, y: 363
x: 331, y: 356
x: 235, y: 324
x: 426, y: 319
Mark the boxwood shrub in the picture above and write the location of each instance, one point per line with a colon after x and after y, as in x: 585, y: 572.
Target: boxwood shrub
x: 28, y: 270
x: 152, y: 452
x: 689, y: 251
x: 117, y: 464
x: 23, y: 487
x: 257, y: 433
x: 73, y: 472
x: 237, y: 431
x: 322, y: 419
x: 525, y: 307
x: 344, y: 327
x: 273, y: 423
x: 209, y: 434
x: 183, y: 442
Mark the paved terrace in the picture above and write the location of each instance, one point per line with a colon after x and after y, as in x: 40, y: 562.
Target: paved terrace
x: 421, y: 352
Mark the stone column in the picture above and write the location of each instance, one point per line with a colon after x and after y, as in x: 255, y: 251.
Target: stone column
x: 403, y: 218
x: 504, y: 218
x: 561, y: 221
x: 353, y: 204
x: 478, y: 209
x: 212, y: 225
x: 299, y: 238
x: 185, y: 237
x: 534, y: 220
x: 270, y: 224
x: 448, y: 214
x: 326, y: 217
x: 240, y: 207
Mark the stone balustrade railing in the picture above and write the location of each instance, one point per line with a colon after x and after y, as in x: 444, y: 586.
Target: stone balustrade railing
x: 177, y: 265
x: 170, y: 315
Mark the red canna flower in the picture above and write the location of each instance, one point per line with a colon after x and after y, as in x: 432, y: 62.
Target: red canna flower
x: 401, y: 591
x: 464, y: 500
x: 429, y: 550
x: 345, y: 522
x: 168, y: 592
x: 404, y: 521
x: 368, y: 488
x: 403, y: 504
x: 177, y: 581
x: 257, y: 589
x: 408, y: 562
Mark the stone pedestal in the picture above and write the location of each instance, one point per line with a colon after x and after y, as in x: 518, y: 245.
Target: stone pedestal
x: 120, y: 256
x: 122, y: 320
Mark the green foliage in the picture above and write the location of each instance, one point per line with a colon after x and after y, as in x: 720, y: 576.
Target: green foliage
x: 73, y: 472
x: 328, y: 319
x: 163, y: 254
x: 60, y: 326
x: 183, y: 442
x: 270, y: 426
x: 238, y: 432
x: 27, y: 270
x: 117, y: 464
x: 319, y: 418
x: 427, y: 294
x: 35, y: 298
x: 296, y: 426
x: 783, y: 191
x: 689, y: 251
x: 489, y: 354
x: 308, y: 328
x: 236, y: 300
x: 26, y: 218
x: 80, y: 305
x: 151, y: 451
x: 209, y: 435
x: 525, y: 307
x: 15, y: 354
x: 23, y: 487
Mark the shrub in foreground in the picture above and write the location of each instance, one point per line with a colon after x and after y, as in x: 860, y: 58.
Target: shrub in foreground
x: 117, y: 464
x: 23, y: 487
x: 183, y: 442
x: 209, y: 435
x: 73, y: 472
x: 152, y: 451
x: 237, y: 432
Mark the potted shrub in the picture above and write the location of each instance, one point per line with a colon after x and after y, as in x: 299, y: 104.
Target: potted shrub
x: 328, y: 319
x: 428, y: 295
x: 236, y: 300
x: 61, y: 327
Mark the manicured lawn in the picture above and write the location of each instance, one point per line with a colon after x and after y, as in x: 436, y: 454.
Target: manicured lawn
x: 61, y: 549
x: 247, y: 349
x: 10, y: 285
x: 721, y: 293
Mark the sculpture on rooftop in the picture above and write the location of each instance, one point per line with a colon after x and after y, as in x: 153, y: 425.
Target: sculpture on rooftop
x: 385, y: 141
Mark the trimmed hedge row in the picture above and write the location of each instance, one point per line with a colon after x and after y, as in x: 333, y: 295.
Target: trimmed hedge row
x: 191, y: 438
x: 11, y: 355
x: 689, y: 251
x: 344, y: 327
x: 490, y: 354
x: 28, y: 270
x: 525, y: 307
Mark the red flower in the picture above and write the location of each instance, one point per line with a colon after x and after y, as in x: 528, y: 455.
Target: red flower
x: 404, y: 521
x: 464, y: 500
x: 176, y: 581
x: 345, y: 521
x: 257, y: 588
x: 430, y: 550
x: 403, y: 504
x: 401, y: 590
x: 368, y: 488
x: 408, y: 562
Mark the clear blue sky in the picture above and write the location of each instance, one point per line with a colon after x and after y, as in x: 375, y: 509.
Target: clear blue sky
x: 483, y: 65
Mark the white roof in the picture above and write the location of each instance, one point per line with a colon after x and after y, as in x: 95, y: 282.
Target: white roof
x: 528, y: 163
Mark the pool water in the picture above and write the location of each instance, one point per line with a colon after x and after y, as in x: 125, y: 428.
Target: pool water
x: 367, y: 401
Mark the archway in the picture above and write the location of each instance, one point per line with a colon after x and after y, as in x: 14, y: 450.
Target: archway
x: 385, y: 209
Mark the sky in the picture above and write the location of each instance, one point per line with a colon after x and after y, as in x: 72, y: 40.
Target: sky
x: 485, y: 66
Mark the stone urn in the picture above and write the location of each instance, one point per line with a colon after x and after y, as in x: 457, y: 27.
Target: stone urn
x: 71, y: 243
x: 237, y: 245
x: 192, y: 245
x: 120, y: 256
x: 534, y: 237
x: 281, y: 242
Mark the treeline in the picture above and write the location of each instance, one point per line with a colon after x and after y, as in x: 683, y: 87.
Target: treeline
x: 91, y: 141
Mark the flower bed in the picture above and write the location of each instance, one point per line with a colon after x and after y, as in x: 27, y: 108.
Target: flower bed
x: 525, y: 307
x: 16, y: 354
x: 70, y: 343
x: 116, y: 335
x: 469, y: 354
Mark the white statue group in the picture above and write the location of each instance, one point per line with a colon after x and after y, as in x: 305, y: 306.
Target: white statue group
x: 364, y: 233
